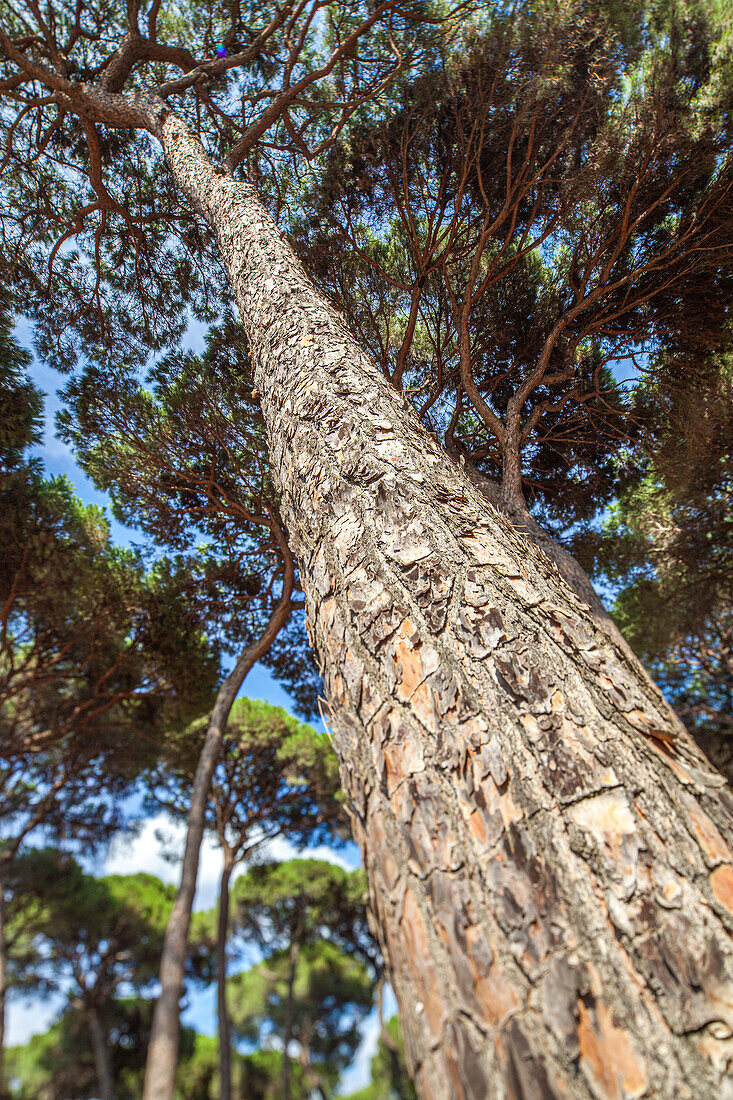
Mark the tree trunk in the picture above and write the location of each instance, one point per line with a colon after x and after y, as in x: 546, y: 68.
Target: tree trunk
x: 547, y: 850
x: 3, y: 987
x: 315, y: 1081
x: 288, y: 1029
x: 222, y: 935
x: 160, y: 1068
x: 105, y: 1081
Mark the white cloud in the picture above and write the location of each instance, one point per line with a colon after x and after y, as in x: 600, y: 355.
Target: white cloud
x: 281, y: 849
x: 157, y: 847
x: 161, y: 837
x: 31, y: 1016
x: 359, y: 1074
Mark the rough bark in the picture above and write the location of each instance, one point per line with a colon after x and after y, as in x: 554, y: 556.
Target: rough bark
x: 522, y: 521
x: 105, y: 1081
x: 718, y: 747
x: 222, y: 935
x: 548, y: 852
x: 160, y: 1068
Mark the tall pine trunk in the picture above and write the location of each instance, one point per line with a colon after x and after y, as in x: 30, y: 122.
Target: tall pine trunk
x: 100, y: 1049
x: 548, y: 853
x: 293, y: 955
x: 222, y: 935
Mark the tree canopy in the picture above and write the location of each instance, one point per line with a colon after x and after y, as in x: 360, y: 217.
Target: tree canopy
x: 548, y: 169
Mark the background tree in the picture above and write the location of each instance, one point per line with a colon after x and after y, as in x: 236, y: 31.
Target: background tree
x: 493, y: 194
x: 321, y: 1003
x: 94, y: 935
x: 310, y: 919
x: 91, y: 643
x: 59, y: 1065
x: 665, y: 548
x: 99, y: 654
x: 275, y: 777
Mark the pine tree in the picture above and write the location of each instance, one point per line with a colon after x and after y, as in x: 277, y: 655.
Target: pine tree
x: 316, y: 982
x: 548, y: 852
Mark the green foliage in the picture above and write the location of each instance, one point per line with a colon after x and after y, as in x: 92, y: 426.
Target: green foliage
x: 331, y: 994
x: 21, y: 405
x: 548, y: 203
x: 107, y: 932
x: 669, y: 538
x: 99, y: 655
x: 122, y: 264
x: 275, y: 776
x: 666, y: 547
x: 184, y: 460
x: 91, y: 937
x: 94, y: 645
x: 304, y: 900
x: 98, y: 932
x: 59, y: 1065
x: 316, y: 982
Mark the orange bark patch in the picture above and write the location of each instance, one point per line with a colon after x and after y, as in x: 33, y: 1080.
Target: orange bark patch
x: 721, y: 881
x: 610, y: 821
x: 496, y: 996
x: 477, y: 825
x: 709, y: 839
x: 604, y: 815
x: 412, y: 660
x: 415, y: 943
x: 423, y: 707
x: 498, y: 801
x: 607, y: 1056
x: 508, y: 809
x: 642, y: 722
x: 557, y: 701
x: 402, y: 758
x: 493, y: 989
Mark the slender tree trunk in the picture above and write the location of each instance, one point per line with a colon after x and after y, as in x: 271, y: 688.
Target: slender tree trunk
x: 548, y: 853
x: 222, y: 935
x: 160, y: 1069
x: 100, y: 1048
x: 288, y: 1029
x: 314, y: 1079
x: 3, y: 986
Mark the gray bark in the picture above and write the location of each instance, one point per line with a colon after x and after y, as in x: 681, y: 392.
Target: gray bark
x: 522, y: 521
x: 160, y: 1068
x: 548, y: 852
x: 101, y: 1055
